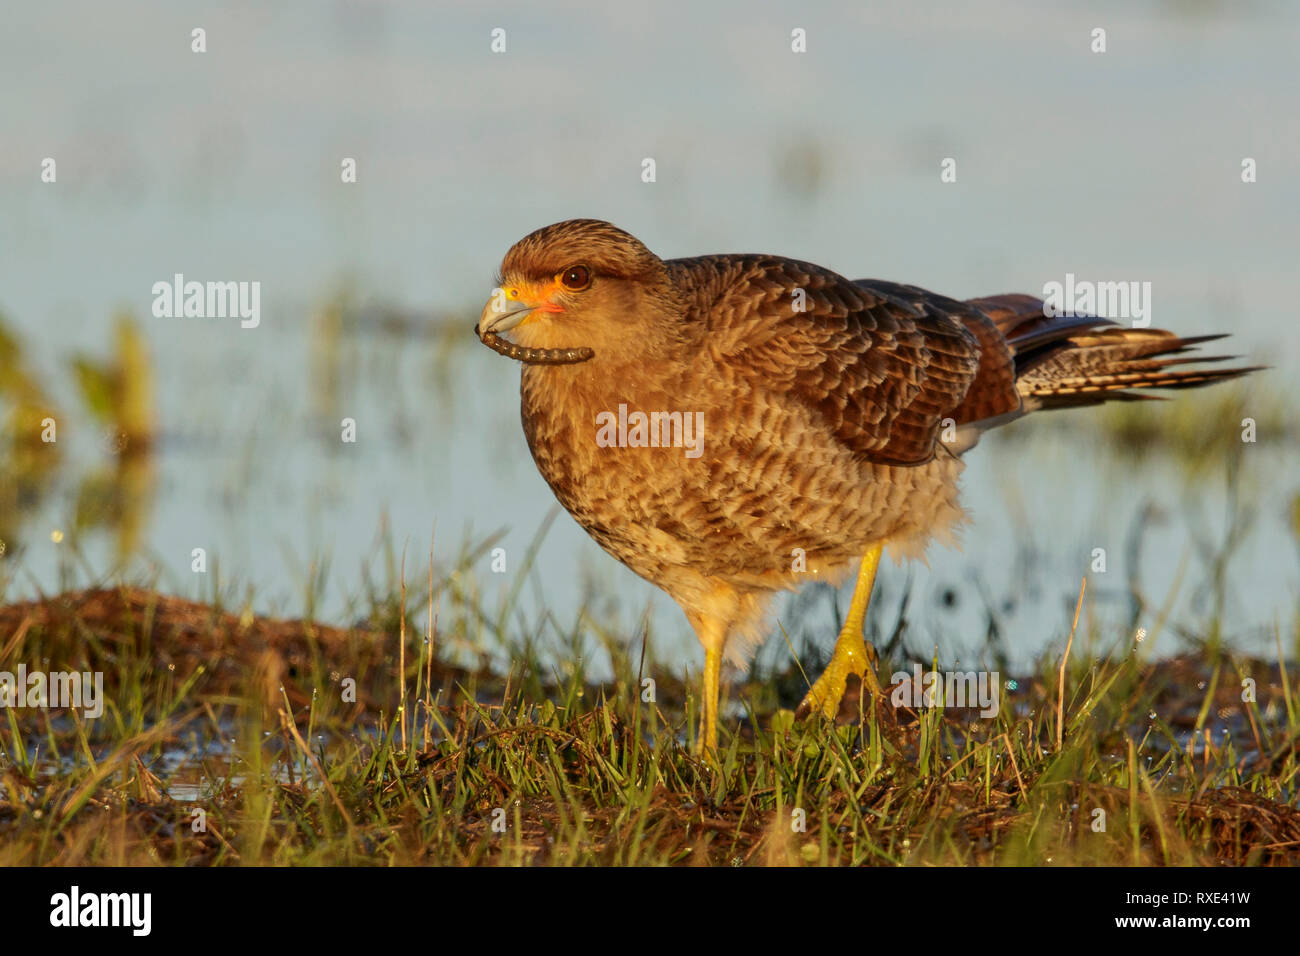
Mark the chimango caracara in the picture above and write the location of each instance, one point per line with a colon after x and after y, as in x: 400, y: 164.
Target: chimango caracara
x: 729, y: 426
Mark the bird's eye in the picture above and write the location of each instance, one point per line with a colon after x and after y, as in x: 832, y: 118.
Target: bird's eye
x: 576, y: 278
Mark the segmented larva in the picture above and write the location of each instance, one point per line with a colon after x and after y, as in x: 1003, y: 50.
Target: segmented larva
x: 533, y: 356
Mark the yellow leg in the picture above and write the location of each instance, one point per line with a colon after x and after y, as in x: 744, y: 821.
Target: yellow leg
x: 712, y: 674
x: 852, y: 654
x: 713, y: 635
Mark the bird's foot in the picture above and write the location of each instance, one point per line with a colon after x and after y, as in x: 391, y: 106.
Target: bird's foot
x: 852, y: 655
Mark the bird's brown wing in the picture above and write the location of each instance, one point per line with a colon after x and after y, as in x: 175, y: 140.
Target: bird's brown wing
x: 882, y: 364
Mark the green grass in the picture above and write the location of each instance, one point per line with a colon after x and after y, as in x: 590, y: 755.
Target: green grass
x: 244, y: 719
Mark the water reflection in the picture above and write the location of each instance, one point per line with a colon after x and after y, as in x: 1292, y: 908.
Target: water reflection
x: 115, y: 487
x: 29, y: 449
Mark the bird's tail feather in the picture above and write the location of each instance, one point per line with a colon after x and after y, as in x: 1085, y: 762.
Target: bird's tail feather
x: 1068, y: 361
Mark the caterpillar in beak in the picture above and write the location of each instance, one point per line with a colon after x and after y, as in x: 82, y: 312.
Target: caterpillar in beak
x: 533, y: 356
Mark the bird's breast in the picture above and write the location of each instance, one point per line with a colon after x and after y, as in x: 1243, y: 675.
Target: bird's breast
x: 620, y: 453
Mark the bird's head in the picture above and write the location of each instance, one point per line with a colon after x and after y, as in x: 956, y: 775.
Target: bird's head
x: 578, y: 289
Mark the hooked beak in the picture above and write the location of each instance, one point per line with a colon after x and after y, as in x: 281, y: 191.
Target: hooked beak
x: 496, y: 318
x: 507, y: 311
x: 521, y: 303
